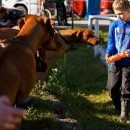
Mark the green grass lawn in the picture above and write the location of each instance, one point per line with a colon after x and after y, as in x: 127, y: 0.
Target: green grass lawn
x: 77, y: 79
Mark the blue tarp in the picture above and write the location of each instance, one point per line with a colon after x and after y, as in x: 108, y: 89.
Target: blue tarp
x: 92, y: 7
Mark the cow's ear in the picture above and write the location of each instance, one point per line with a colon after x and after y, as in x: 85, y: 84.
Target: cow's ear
x: 21, y: 22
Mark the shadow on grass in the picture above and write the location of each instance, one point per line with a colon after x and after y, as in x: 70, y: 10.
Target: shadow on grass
x: 59, y: 119
x: 91, y: 116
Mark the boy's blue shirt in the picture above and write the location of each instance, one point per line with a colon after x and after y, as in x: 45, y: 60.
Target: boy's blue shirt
x: 119, y: 40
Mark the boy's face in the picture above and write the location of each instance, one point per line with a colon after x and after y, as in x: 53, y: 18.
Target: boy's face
x: 124, y: 15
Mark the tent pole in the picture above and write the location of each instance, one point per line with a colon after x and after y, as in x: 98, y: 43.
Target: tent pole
x: 72, y: 14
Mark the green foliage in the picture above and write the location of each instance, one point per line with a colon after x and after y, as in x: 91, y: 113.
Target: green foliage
x: 103, y: 35
x: 55, y: 82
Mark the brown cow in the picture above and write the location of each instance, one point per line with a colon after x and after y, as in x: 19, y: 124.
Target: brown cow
x: 17, y: 61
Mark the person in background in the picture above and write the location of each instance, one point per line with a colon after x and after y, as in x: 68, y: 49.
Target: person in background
x: 10, y: 117
x: 61, y: 13
x: 118, y: 82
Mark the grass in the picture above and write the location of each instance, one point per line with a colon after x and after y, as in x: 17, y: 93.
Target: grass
x: 75, y: 88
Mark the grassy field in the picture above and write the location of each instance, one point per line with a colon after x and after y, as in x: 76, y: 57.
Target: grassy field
x: 74, y: 95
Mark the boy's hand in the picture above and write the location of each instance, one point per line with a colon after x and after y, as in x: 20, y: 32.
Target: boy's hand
x: 127, y: 52
x: 107, y: 56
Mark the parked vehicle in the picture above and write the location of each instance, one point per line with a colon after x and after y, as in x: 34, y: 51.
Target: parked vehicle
x: 106, y: 6
x: 27, y: 6
x: 10, y: 17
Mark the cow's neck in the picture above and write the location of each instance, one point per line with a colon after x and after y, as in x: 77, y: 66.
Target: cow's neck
x: 31, y: 36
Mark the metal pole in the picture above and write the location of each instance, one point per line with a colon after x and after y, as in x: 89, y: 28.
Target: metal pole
x: 72, y: 15
x: 29, y: 7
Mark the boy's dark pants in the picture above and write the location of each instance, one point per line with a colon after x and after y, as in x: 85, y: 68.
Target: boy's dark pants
x: 118, y: 84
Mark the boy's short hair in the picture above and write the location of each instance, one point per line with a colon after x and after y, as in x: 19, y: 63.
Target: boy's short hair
x: 121, y: 5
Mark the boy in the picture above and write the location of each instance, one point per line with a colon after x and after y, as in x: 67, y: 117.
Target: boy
x: 118, y: 82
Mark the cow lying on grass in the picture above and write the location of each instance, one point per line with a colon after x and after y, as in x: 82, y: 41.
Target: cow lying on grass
x: 79, y: 36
